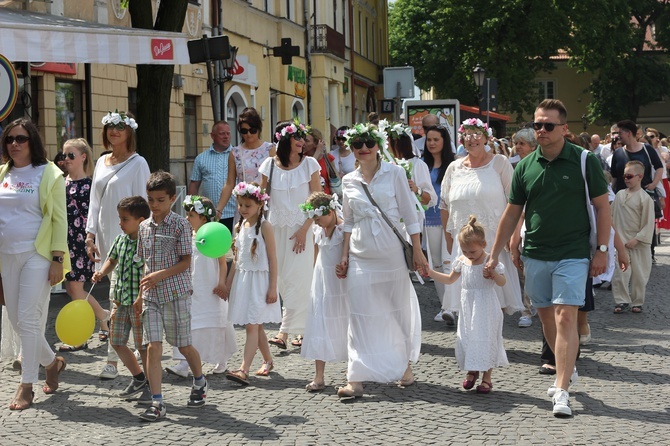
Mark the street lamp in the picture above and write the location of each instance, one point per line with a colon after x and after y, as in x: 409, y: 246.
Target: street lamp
x: 227, y: 66
x: 479, y: 74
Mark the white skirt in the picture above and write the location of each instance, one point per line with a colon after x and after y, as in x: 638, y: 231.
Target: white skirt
x: 215, y: 345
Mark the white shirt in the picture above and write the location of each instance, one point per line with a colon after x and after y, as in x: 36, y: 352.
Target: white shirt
x: 20, y: 212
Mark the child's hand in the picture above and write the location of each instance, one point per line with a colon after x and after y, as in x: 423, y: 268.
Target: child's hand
x: 150, y: 281
x: 96, y: 277
x: 342, y: 268
x: 632, y: 243
x: 221, y: 291
x: 137, y: 305
x: 271, y: 296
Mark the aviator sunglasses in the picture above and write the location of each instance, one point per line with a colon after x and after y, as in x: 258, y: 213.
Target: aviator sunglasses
x: 358, y: 144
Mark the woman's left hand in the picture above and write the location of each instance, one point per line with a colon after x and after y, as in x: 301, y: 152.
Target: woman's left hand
x: 420, y: 262
x: 55, y: 273
x: 299, y: 238
x: 412, y: 186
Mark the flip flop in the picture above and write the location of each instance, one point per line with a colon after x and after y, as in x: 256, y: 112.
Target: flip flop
x: 71, y: 348
x: 297, y: 342
x: 238, y: 376
x: 103, y: 335
x: 278, y: 342
x: 314, y: 387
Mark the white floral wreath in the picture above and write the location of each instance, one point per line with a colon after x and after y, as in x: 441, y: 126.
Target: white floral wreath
x: 396, y: 129
x: 311, y: 211
x: 115, y: 118
x: 195, y: 203
x: 367, y: 129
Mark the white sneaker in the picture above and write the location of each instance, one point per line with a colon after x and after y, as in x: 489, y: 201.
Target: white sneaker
x: 585, y: 339
x: 182, y: 369
x: 138, y: 356
x: 449, y: 318
x: 220, y: 368
x: 562, y: 403
x: 525, y: 321
x: 551, y: 391
x: 109, y: 371
x: 438, y: 317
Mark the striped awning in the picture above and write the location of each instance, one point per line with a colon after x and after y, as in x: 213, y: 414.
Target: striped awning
x: 27, y: 36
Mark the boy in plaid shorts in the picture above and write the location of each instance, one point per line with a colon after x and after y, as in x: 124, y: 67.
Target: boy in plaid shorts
x: 123, y: 256
x: 164, y: 242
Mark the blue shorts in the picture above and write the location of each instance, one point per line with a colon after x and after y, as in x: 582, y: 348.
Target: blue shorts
x: 560, y: 282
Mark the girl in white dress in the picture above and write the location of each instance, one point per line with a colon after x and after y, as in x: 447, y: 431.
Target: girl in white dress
x: 213, y: 336
x: 385, y: 322
x: 328, y: 318
x: 479, y: 342
x: 290, y: 177
x: 253, y: 279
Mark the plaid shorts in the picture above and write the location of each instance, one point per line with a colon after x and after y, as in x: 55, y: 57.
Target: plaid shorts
x: 123, y: 320
x: 173, y: 317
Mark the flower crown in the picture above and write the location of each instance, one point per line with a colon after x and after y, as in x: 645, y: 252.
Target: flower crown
x: 395, y: 129
x: 311, y: 211
x: 120, y: 119
x: 477, y: 125
x: 341, y: 133
x: 195, y: 203
x: 366, y: 130
x: 250, y: 190
x: 295, y: 128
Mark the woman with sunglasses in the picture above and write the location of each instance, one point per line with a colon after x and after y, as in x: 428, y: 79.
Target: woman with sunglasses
x: 344, y: 159
x: 119, y: 174
x: 33, y: 250
x: 290, y: 177
x: 479, y: 185
x: 245, y: 159
x: 385, y: 321
x: 79, y: 167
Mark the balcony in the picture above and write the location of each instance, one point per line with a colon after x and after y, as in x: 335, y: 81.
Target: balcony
x: 327, y: 40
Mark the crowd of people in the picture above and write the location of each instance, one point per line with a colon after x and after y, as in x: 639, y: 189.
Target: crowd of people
x: 326, y: 242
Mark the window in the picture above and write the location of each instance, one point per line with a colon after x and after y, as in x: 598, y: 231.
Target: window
x: 266, y: 6
x: 69, y: 116
x: 360, y: 32
x: 290, y: 9
x: 190, y: 127
x: 374, y: 44
x: 546, y: 90
x: 367, y: 38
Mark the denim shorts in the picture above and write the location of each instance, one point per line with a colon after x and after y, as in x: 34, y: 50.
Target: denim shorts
x: 560, y: 282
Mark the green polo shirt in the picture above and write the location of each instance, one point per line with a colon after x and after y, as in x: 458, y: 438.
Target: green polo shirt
x: 557, y: 222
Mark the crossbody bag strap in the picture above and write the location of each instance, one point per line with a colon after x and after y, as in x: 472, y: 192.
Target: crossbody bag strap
x: 272, y: 170
x: 104, y: 189
x: 386, y: 219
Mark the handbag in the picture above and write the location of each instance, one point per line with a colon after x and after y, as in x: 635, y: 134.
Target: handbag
x: 407, y: 248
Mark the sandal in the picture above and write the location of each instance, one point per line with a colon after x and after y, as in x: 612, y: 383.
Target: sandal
x: 485, y: 387
x: 315, y: 387
x: 469, y: 383
x: 238, y: 376
x: 297, y: 342
x: 636, y: 309
x: 620, y: 308
x: 103, y: 335
x: 278, y: 342
x: 265, y: 369
x: 53, y: 372
x: 14, y: 405
x: 72, y: 348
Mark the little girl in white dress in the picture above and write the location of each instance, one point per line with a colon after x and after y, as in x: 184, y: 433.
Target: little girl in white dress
x: 479, y: 342
x: 325, y: 338
x: 253, y: 279
x: 213, y: 336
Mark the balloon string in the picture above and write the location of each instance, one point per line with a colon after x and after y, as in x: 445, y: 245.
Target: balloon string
x: 89, y: 292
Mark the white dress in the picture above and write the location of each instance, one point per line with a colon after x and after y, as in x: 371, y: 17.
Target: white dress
x: 345, y: 164
x: 213, y: 336
x: 385, y: 321
x: 290, y: 188
x: 482, y: 192
x: 325, y: 336
x: 479, y: 342
x: 249, y: 290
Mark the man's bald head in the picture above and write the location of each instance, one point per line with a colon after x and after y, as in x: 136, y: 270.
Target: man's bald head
x: 430, y: 120
x: 595, y: 141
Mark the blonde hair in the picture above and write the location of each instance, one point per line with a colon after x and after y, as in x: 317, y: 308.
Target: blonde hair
x: 84, y: 149
x: 472, y: 232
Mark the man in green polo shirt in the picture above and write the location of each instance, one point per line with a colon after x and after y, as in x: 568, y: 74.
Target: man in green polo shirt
x: 557, y: 256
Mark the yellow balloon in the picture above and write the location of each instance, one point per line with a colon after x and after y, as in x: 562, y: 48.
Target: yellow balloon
x: 75, y: 322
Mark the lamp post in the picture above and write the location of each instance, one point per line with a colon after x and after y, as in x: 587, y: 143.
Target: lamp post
x: 480, y: 76
x: 225, y: 75
x: 585, y: 122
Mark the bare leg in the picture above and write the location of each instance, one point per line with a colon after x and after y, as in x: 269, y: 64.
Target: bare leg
x: 486, y: 377
x: 320, y: 371
x: 263, y: 345
x: 193, y: 358
x: 128, y: 358
x: 23, y: 397
x: 583, y: 323
x: 253, y: 338
x: 566, y: 343
x: 153, y: 366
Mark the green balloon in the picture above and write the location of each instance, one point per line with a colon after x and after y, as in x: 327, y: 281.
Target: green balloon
x: 213, y: 239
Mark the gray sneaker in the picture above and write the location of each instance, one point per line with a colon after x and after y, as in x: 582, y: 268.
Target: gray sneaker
x: 144, y: 398
x: 198, y: 395
x: 525, y: 321
x: 109, y: 371
x: 562, y: 404
x: 133, y: 388
x: 154, y: 412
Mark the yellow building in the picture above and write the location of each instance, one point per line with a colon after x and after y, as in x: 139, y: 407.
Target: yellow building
x: 335, y: 80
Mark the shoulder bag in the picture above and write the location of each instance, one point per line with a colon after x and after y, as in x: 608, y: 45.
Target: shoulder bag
x: 406, y: 246
x: 593, y: 235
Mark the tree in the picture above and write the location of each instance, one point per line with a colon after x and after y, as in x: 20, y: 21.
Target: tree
x: 154, y: 82
x: 445, y: 39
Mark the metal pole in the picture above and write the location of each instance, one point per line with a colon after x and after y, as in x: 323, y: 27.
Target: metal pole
x: 210, y: 80
x: 488, y: 100
x: 397, y: 101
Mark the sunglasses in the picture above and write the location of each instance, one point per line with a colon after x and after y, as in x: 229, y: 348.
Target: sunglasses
x: 251, y: 130
x: 119, y: 126
x: 69, y: 155
x: 341, y: 139
x: 297, y: 137
x: 630, y: 176
x: 369, y: 143
x: 651, y: 136
x: 548, y: 126
x: 20, y: 139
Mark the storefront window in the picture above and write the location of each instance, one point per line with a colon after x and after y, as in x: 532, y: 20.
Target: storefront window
x: 69, y: 116
x: 190, y: 127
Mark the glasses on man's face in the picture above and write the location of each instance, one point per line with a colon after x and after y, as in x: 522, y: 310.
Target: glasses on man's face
x: 358, y: 144
x: 69, y: 155
x: 470, y: 136
x: 251, y: 130
x: 548, y: 126
x: 630, y: 176
x: 20, y: 139
x: 652, y: 136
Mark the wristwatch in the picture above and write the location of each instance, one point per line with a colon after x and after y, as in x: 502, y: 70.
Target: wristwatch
x: 419, y: 191
x: 58, y: 259
x: 602, y: 248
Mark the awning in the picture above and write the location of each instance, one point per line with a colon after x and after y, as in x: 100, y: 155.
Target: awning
x: 27, y: 36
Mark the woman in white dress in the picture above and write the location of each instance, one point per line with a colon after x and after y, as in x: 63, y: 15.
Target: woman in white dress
x: 385, y: 322
x: 117, y: 175
x: 245, y: 159
x: 344, y: 160
x: 478, y: 185
x: 289, y: 177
